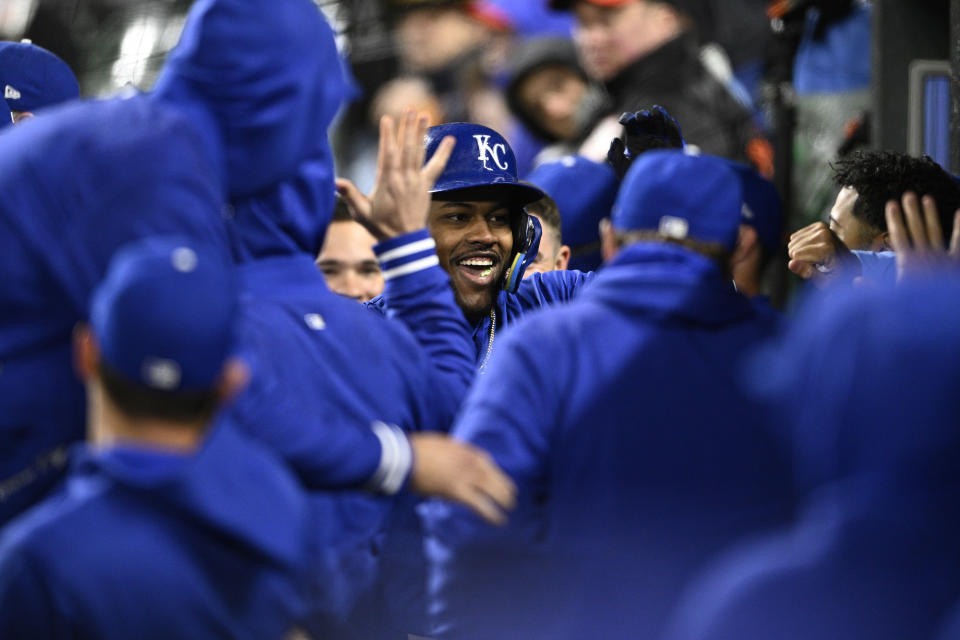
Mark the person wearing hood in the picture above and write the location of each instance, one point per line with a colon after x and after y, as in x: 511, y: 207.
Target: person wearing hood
x: 78, y: 184
x: 182, y: 150
x: 628, y: 386
x: 347, y: 397
x: 113, y: 553
x: 866, y: 381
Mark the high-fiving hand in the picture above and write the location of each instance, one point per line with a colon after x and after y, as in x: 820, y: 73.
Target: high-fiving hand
x: 400, y: 199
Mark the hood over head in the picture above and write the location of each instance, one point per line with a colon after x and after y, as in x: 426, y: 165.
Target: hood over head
x: 269, y: 73
x: 79, y: 183
x: 291, y: 218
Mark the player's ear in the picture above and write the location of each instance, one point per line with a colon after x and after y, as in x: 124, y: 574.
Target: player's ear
x: 21, y: 116
x: 747, y: 242
x: 86, y: 353
x: 563, y: 258
x: 233, y: 379
x: 608, y: 240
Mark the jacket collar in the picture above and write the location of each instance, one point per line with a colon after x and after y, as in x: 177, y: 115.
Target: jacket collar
x: 225, y: 486
x: 664, y: 281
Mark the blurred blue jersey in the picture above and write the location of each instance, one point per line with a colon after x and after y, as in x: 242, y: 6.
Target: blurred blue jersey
x: 867, y: 380
x: 140, y: 543
x: 635, y: 454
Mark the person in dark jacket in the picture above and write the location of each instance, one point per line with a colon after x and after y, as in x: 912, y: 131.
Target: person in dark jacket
x: 646, y: 52
x: 166, y: 527
x: 636, y: 456
x: 866, y: 383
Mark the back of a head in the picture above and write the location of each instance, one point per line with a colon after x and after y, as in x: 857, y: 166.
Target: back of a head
x: 762, y: 209
x: 879, y: 176
x: 164, y: 320
x: 584, y: 191
x: 34, y: 78
x: 680, y: 198
x: 272, y: 103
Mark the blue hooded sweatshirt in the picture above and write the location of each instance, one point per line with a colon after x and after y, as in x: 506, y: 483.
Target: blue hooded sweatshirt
x: 868, y: 380
x: 141, y: 543
x: 635, y: 455
x: 77, y: 184
x: 333, y: 385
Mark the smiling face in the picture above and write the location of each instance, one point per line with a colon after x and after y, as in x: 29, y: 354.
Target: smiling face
x: 474, y: 244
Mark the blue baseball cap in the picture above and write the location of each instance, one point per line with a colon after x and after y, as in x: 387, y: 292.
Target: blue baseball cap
x: 165, y: 315
x: 762, y: 208
x: 680, y: 196
x: 584, y: 192
x: 482, y: 158
x: 32, y: 77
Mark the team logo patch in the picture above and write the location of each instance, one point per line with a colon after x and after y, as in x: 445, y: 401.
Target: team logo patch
x: 490, y: 152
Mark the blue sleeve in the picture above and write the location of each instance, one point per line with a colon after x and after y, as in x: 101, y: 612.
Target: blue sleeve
x: 878, y: 267
x: 326, y: 450
x: 476, y: 571
x: 27, y: 609
x: 551, y: 287
x: 418, y: 294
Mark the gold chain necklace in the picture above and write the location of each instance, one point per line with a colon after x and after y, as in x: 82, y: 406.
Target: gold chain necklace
x: 493, y: 329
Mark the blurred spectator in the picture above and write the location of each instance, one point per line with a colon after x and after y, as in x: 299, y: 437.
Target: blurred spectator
x: 553, y: 255
x: 406, y: 92
x: 584, y: 192
x: 551, y: 95
x: 33, y: 78
x: 867, y: 181
x: 647, y: 52
x: 347, y: 260
x: 867, y: 380
x: 597, y: 394
x: 396, y: 95
x: 449, y: 41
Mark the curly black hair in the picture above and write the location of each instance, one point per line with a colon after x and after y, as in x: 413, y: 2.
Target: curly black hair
x: 879, y: 176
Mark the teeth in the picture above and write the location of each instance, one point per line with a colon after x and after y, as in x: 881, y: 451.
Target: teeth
x: 477, y: 262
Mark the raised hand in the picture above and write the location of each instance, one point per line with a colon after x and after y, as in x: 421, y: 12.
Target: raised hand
x: 817, y: 254
x: 400, y: 199
x: 917, y: 237
x: 642, y: 131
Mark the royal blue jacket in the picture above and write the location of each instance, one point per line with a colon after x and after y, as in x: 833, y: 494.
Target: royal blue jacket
x: 635, y: 455
x: 867, y: 382
x: 139, y: 543
x: 77, y: 184
x: 537, y: 291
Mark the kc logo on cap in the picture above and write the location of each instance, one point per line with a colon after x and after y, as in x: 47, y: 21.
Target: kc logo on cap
x: 487, y: 151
